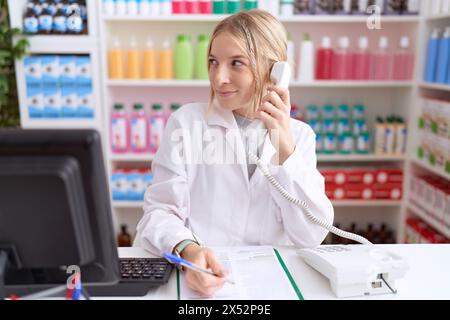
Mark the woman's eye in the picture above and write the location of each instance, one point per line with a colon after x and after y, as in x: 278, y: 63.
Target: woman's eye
x: 212, y: 61
x: 237, y: 63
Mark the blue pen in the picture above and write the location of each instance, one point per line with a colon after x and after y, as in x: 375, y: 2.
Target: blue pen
x: 180, y: 261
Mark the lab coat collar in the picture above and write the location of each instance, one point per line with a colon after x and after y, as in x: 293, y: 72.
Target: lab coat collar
x: 220, y: 116
x: 225, y: 118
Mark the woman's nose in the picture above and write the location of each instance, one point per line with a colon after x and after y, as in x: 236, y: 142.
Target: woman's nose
x: 222, y: 75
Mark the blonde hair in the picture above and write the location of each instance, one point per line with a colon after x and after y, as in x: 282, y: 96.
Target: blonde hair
x: 264, y: 40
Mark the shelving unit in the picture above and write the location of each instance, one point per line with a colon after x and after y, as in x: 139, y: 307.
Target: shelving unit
x: 59, y: 44
x: 425, y: 216
x: 399, y: 97
x: 379, y: 97
x: 430, y: 90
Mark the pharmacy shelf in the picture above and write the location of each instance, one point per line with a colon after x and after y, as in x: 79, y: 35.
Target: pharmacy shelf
x: 434, y: 86
x: 360, y: 158
x: 294, y: 84
x: 131, y: 157
x: 438, y: 17
x: 429, y: 167
x: 366, y: 203
x: 127, y: 204
x: 336, y: 203
x: 291, y: 19
x: 59, y: 123
x: 421, y: 213
x: 72, y: 44
x: 144, y: 157
x: 158, y: 83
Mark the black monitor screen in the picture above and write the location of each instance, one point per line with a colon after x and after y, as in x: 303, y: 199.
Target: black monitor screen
x: 54, y: 209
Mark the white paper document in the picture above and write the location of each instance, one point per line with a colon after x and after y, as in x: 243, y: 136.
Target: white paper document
x: 257, y: 272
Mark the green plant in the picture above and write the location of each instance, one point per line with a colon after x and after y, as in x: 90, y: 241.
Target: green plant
x: 9, y: 51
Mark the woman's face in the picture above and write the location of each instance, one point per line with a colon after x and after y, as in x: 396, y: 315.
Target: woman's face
x: 230, y: 75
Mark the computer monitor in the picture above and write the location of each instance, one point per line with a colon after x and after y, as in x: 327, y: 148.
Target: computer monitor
x: 54, y: 210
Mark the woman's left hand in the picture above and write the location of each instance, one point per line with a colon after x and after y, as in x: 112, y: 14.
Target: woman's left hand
x: 275, y: 112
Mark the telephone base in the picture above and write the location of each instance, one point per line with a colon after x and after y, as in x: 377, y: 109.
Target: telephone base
x: 356, y: 270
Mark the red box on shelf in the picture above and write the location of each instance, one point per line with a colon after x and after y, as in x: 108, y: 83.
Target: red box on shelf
x: 334, y: 192
x: 391, y: 191
x: 388, y: 176
x: 358, y: 191
x: 360, y: 176
x: 334, y: 176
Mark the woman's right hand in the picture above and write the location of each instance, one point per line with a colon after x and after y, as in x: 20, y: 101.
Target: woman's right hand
x: 203, y: 283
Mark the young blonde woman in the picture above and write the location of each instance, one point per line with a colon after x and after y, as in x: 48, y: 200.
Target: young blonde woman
x: 205, y: 190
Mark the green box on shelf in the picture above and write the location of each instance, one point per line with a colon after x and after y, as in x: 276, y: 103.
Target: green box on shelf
x: 420, y: 153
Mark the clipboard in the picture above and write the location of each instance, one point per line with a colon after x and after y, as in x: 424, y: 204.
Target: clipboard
x: 281, y: 281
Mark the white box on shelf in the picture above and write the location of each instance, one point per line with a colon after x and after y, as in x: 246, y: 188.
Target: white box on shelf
x: 33, y: 72
x: 85, y: 102
x: 68, y: 70
x: 35, y: 101
x: 52, y: 101
x: 50, y: 69
x: 69, y: 100
x: 84, y: 70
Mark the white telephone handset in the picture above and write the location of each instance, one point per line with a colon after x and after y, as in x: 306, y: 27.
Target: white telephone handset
x: 346, y: 269
x: 279, y: 75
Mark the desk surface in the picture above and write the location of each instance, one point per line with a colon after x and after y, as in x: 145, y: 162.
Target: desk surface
x: 428, y: 277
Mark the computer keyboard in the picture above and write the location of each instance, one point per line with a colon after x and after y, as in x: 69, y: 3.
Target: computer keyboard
x: 138, y: 276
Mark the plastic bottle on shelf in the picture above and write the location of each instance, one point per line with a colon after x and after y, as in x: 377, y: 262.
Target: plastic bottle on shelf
x: 45, y: 21
x: 155, y: 8
x: 116, y: 61
x: 60, y: 21
x: 432, y: 55
x: 156, y: 127
x: 138, y: 129
x: 144, y: 8
x: 403, y: 61
x: 205, y: 6
x: 178, y: 6
x: 184, y: 58
x: 192, y: 7
x: 443, y: 59
x: 165, y: 70
x: 149, y: 60
x: 250, y: 5
x: 121, y: 7
x: 362, y: 57
x: 379, y: 136
x: 287, y: 8
x: 382, y: 61
x: 201, y: 63
x: 30, y: 22
x: 401, y: 133
x: 218, y: 6
x: 233, y: 6
x: 306, y: 65
x: 343, y: 60
x: 291, y: 53
x: 133, y: 65
x: 324, y: 63
x: 166, y: 8
x: 119, y: 129
x: 132, y: 7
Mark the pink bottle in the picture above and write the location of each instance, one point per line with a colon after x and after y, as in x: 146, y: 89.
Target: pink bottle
x: 382, y: 61
x: 343, y: 61
x: 119, y: 129
x: 361, y: 59
x: 156, y: 123
x: 403, y: 61
x: 138, y: 129
x: 192, y: 7
x: 178, y: 6
x: 324, y: 58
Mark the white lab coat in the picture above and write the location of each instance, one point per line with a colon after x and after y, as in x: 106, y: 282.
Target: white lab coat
x: 219, y: 204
